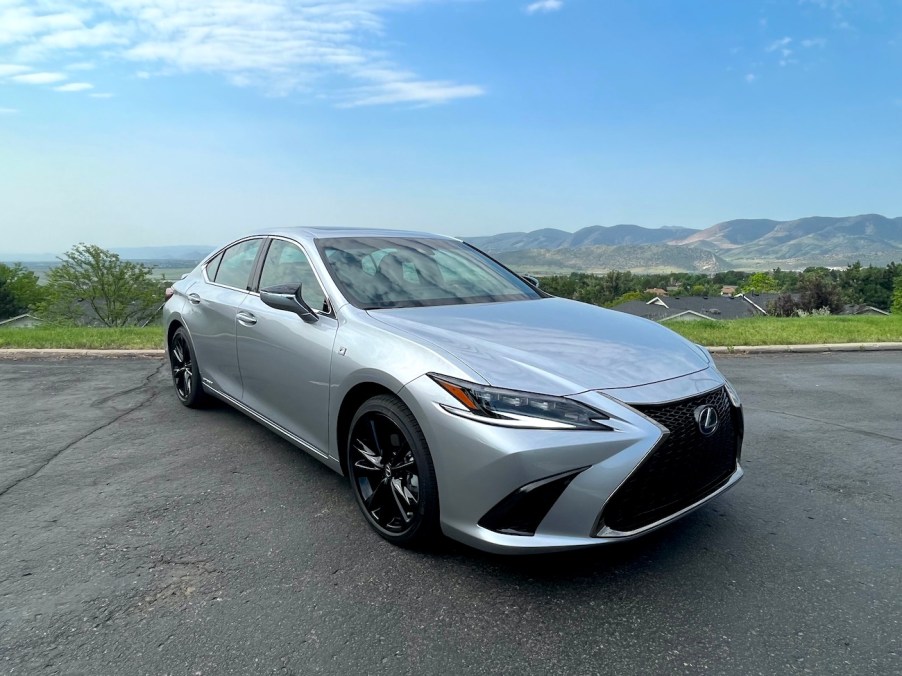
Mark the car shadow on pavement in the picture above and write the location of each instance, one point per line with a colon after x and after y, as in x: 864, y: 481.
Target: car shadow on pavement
x: 683, y: 545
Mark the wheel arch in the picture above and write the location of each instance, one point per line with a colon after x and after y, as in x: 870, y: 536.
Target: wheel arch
x: 174, y: 326
x: 353, y: 400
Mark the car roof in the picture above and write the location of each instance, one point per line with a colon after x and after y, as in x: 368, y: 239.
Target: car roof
x: 324, y: 232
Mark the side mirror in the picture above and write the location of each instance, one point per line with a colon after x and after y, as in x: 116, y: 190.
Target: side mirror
x: 288, y: 297
x: 529, y: 279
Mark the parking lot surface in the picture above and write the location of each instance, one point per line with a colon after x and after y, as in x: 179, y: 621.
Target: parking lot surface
x: 140, y: 537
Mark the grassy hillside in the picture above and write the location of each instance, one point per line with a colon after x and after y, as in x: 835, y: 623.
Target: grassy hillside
x: 792, y: 330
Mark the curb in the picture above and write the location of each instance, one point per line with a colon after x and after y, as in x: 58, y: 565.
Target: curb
x: 59, y: 353
x: 25, y: 353
x: 825, y: 347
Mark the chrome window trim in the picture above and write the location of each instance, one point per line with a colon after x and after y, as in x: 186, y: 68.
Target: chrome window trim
x: 219, y: 251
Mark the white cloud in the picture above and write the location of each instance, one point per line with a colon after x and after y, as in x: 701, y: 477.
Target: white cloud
x: 781, y: 45
x: 543, y: 6
x: 20, y: 23
x: 322, y: 48
x: 750, y: 77
x: 813, y: 42
x: 7, y: 69
x: 81, y: 65
x: 39, y: 78
x: 413, y: 91
x: 8, y: 111
x: 74, y: 87
x: 101, y: 95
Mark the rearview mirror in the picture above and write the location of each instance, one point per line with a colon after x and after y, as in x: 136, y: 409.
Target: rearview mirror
x: 288, y: 297
x: 529, y: 279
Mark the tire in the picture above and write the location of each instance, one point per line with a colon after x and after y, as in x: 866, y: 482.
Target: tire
x: 391, y: 473
x: 185, y: 375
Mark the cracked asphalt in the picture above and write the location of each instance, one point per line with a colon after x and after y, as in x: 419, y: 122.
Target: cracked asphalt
x: 139, y: 537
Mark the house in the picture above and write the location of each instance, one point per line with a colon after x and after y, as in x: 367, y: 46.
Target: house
x: 863, y: 310
x: 728, y: 290
x: 692, y: 308
x: 25, y: 321
x: 657, y: 291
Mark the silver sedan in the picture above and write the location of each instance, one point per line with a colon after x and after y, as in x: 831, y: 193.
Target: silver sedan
x: 457, y: 396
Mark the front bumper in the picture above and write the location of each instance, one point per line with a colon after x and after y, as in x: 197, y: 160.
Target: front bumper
x: 479, y: 465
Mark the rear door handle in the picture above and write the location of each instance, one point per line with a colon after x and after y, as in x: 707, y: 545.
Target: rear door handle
x: 194, y: 298
x: 246, y: 318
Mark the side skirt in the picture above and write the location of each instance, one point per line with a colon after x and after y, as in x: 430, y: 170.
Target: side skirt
x: 324, y: 458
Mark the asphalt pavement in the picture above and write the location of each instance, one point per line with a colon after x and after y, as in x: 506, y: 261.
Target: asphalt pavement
x: 140, y: 537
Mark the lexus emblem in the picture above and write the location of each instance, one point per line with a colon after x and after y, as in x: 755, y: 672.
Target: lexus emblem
x: 706, y: 417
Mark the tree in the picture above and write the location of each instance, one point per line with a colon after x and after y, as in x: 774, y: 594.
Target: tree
x: 817, y: 292
x: 783, y: 306
x: 94, y: 286
x: 760, y: 282
x: 897, y: 296
x: 19, y: 290
x: 631, y: 295
x: 867, y: 286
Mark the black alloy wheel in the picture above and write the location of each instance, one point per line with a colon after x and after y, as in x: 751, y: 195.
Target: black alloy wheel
x: 185, y: 375
x: 391, y: 471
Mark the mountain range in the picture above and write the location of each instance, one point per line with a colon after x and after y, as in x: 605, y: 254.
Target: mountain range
x: 743, y: 244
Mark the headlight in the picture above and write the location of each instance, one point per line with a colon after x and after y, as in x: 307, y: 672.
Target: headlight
x: 510, y: 408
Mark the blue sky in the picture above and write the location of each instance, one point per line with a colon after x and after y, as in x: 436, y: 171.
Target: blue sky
x: 144, y: 122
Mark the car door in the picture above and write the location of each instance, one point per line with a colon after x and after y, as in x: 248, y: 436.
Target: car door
x: 213, y: 312
x: 285, y: 361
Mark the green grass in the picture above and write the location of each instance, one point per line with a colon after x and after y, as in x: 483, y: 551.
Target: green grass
x: 791, y: 330
x: 757, y: 331
x: 83, y: 337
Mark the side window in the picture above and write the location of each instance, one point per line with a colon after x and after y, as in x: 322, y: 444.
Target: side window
x: 237, y: 263
x: 286, y: 263
x: 213, y: 266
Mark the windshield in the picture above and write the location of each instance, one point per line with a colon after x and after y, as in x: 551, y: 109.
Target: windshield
x: 390, y: 272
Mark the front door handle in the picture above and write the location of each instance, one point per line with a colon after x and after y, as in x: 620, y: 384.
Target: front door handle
x: 246, y: 318
x: 194, y: 298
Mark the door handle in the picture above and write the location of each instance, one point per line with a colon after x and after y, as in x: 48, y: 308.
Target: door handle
x: 246, y: 318
x: 194, y: 298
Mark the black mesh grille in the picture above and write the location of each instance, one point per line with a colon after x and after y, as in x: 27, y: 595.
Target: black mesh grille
x: 682, y: 470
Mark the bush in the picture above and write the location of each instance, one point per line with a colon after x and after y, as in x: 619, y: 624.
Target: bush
x: 19, y: 290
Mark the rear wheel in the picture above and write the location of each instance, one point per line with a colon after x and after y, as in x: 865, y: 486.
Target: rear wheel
x: 185, y: 374
x: 391, y: 472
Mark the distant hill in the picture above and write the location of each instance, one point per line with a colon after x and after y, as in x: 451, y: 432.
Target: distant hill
x: 817, y: 240
x: 551, y: 238
x: 163, y: 253
x: 138, y: 253
x: 644, y: 258
x: 747, y: 244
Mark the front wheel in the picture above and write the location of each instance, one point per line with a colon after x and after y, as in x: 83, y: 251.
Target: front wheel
x: 391, y: 472
x: 185, y: 374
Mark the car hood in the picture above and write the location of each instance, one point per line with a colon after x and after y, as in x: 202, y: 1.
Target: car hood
x: 552, y: 345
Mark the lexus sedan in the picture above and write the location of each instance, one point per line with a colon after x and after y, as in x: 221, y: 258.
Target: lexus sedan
x: 456, y: 396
